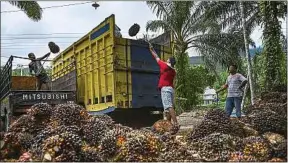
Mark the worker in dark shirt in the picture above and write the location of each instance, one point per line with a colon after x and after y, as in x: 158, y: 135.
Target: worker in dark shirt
x: 39, y: 71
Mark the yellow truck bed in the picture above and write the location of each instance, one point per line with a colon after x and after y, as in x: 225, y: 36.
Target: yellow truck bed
x: 112, y: 72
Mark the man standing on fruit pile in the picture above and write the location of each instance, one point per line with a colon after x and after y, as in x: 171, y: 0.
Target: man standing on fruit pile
x: 235, y: 84
x: 36, y: 66
x: 167, y: 75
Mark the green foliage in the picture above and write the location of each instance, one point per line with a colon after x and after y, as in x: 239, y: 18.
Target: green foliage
x: 31, y: 8
x: 191, y: 84
x: 218, y: 84
x: 274, y: 64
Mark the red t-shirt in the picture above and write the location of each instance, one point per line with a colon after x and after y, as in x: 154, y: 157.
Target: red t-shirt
x: 167, y: 75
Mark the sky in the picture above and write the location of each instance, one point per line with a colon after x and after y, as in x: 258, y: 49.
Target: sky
x: 76, y: 20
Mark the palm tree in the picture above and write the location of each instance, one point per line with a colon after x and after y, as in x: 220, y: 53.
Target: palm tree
x: 248, y: 57
x: 189, y: 30
x: 233, y: 15
x: 273, y: 52
x: 31, y: 8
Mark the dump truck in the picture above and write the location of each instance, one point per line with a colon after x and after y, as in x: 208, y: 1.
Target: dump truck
x: 18, y: 94
x: 113, y: 74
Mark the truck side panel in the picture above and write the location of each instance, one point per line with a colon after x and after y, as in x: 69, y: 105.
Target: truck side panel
x: 145, y: 75
x: 114, y: 72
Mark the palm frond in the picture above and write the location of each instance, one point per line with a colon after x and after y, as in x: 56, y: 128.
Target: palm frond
x: 31, y: 8
x: 155, y: 25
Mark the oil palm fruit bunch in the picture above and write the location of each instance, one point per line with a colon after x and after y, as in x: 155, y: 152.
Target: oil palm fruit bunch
x: 26, y: 123
x: 25, y: 157
x: 174, y: 151
x: 133, y: 30
x: 236, y: 157
x: 68, y: 156
x: 277, y: 160
x: 25, y: 140
x: 268, y: 121
x: 61, y: 147
x: 67, y: 114
x: 42, y: 135
x: 89, y: 154
x: 217, y: 115
x: 53, y: 47
x: 238, y: 128
x: 278, y: 144
x: 84, y: 116
x: 70, y: 129
x: 139, y: 146
x: 162, y: 126
x: 94, y: 130
x: 215, y: 120
x: 106, y: 120
x: 41, y: 109
x: 207, y: 127
x: 12, y: 147
x: 112, y: 141
x: 215, y: 147
x: 279, y: 108
x: 274, y: 97
x: 254, y: 149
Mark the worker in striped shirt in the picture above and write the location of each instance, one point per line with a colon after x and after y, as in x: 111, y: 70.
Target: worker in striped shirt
x: 235, y: 84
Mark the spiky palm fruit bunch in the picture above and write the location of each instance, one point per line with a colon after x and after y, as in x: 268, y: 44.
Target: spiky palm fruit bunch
x: 94, y: 130
x: 25, y: 140
x: 89, y: 154
x: 236, y: 157
x: 70, y: 129
x: 133, y: 30
x: 68, y: 156
x: 61, y: 147
x: 268, y: 121
x: 54, y: 48
x: 84, y: 116
x: 207, y: 127
x: 214, y: 121
x: 175, y: 151
x: 278, y: 144
x: 105, y: 119
x: 42, y: 135
x: 112, y: 141
x: 139, y: 146
x: 277, y: 160
x: 25, y: 157
x: 254, y: 149
x: 67, y: 114
x: 238, y: 128
x: 215, y: 147
x: 274, y: 97
x: 26, y: 123
x: 12, y: 147
x: 217, y: 115
x: 278, y: 108
x: 162, y: 126
x: 41, y: 109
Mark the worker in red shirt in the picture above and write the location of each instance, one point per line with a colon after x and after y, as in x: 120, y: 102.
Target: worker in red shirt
x: 167, y: 75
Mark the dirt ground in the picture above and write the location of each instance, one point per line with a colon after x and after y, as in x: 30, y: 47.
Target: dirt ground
x: 188, y: 120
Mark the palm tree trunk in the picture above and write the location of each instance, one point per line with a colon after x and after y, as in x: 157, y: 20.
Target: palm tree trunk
x: 247, y: 53
x: 244, y: 95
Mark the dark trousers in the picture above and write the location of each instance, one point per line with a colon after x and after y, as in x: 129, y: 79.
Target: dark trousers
x: 232, y: 102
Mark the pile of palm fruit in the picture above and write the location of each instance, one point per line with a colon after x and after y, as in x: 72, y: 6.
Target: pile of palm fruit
x: 68, y: 133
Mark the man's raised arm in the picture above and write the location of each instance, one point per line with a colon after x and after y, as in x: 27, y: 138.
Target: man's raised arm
x: 153, y: 52
x: 43, y: 57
